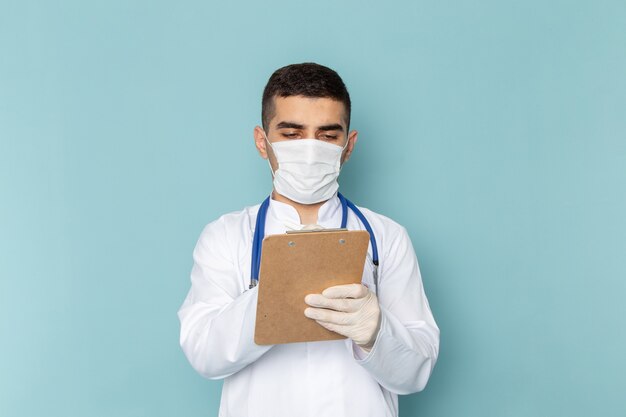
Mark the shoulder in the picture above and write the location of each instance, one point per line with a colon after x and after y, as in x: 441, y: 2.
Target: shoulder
x: 395, y: 249
x: 231, y: 222
x: 390, y: 235
x: 381, y: 223
x: 228, y: 230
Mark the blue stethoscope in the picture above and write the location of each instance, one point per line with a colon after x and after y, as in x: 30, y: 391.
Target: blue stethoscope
x: 259, y: 234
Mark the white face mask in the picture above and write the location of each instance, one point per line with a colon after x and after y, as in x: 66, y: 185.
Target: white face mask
x: 307, y: 169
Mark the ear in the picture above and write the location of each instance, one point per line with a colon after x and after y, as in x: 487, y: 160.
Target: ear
x: 259, y: 141
x: 352, y: 138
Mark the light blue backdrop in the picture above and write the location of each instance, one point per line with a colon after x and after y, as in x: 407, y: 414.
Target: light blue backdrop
x: 494, y: 131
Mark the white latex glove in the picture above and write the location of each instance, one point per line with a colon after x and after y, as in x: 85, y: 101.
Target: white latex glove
x: 351, y: 310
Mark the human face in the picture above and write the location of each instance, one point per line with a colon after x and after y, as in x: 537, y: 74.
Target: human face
x: 299, y: 117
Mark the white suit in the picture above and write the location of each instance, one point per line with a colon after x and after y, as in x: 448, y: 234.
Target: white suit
x: 310, y: 379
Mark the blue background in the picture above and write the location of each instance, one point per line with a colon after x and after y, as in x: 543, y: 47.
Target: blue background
x: 493, y: 131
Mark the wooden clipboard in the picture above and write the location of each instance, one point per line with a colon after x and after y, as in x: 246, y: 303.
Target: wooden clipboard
x: 296, y: 264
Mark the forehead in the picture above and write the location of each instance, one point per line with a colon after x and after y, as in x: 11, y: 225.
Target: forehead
x: 309, y: 111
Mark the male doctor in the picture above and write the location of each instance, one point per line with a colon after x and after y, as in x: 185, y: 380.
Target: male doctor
x: 392, y: 340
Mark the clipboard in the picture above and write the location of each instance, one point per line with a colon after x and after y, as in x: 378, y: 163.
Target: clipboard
x: 296, y: 264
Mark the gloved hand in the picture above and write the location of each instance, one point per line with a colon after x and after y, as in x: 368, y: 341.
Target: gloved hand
x: 351, y: 310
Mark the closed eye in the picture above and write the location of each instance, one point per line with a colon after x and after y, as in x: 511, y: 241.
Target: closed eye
x: 329, y: 137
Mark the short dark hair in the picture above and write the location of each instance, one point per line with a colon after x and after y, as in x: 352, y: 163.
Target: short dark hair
x: 306, y: 79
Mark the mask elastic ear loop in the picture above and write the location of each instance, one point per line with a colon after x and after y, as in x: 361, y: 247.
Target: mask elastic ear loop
x: 347, y: 141
x: 268, y: 155
x: 342, y: 149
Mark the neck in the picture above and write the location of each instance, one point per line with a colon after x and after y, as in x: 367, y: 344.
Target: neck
x: 307, y: 212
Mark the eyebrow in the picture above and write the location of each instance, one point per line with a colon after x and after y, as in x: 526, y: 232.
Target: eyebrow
x: 292, y: 125
x: 335, y: 126
x: 289, y: 125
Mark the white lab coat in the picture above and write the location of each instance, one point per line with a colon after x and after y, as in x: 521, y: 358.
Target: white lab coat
x: 309, y: 379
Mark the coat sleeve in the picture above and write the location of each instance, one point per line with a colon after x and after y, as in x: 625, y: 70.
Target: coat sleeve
x: 407, y: 345
x: 217, y: 318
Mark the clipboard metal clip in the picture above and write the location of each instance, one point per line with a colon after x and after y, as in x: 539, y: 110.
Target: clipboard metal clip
x: 338, y: 229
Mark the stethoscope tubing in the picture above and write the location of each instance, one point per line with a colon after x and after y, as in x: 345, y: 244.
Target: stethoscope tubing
x: 259, y: 234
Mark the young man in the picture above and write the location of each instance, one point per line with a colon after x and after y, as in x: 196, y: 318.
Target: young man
x: 392, y: 339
